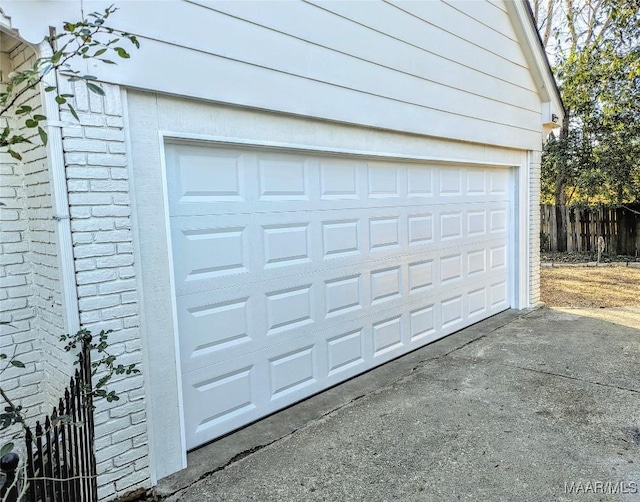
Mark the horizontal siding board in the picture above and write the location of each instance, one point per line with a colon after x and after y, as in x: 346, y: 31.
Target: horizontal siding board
x: 498, y: 4
x: 386, y: 18
x: 465, y: 27
x: 257, y: 45
x: 345, y: 36
x: 251, y: 86
x: 487, y: 14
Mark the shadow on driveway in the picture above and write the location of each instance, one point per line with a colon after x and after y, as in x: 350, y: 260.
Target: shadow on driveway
x: 534, y: 406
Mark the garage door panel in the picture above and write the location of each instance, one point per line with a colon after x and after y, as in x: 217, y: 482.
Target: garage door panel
x: 309, y: 309
x: 202, y: 181
x: 296, y: 271
x: 287, y: 372
x: 222, y: 251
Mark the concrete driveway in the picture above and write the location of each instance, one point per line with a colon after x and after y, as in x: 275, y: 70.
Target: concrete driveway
x: 537, y: 406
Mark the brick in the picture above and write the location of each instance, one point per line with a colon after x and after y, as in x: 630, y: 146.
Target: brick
x: 121, y: 199
x: 122, y: 223
x: 85, y: 264
x: 80, y: 212
x: 20, y: 292
x: 75, y: 159
x: 95, y: 276
x: 129, y: 297
x: 104, y: 134
x: 107, y: 491
x: 94, y: 250
x: 126, y: 273
x: 128, y: 433
x: 120, y: 311
x: 113, y: 236
x: 115, y: 122
x: 71, y: 131
x: 114, y: 474
x: 15, y: 247
x: 113, y: 211
x: 132, y: 480
x: 11, y: 259
x: 87, y: 290
x: 92, y: 225
x: 98, y: 302
x: 117, y: 148
x: 109, y: 186
x: 88, y: 172
x: 119, y: 173
x: 115, y: 261
x: 130, y: 457
x: 77, y: 186
x: 8, y: 214
x: 117, y: 287
x: 84, y: 145
x: 109, y: 160
x: 90, y: 199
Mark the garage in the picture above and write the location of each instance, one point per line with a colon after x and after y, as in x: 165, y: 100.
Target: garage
x: 296, y: 270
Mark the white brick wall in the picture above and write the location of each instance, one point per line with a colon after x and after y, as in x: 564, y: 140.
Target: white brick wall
x: 534, y: 228
x: 30, y: 296
x: 98, y: 185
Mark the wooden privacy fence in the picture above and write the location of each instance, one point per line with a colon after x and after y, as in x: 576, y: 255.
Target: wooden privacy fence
x: 60, y: 464
x: 618, y: 226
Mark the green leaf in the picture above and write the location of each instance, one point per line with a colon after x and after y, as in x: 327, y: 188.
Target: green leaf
x: 100, y: 52
x: 39, y: 117
x: 95, y: 88
x: 73, y: 112
x: 121, y: 52
x: 31, y: 123
x: 56, y: 57
x: 60, y: 100
x: 7, y: 448
x: 43, y: 135
x: 24, y: 109
x: 107, y: 61
x: 50, y: 88
x: 16, y: 363
x: 14, y: 154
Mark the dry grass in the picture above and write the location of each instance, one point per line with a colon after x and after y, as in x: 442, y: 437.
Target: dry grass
x: 590, y: 287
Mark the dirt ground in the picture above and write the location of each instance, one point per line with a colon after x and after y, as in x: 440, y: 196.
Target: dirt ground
x: 590, y: 287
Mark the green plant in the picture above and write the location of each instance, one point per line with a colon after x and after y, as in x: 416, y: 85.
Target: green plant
x: 90, y: 38
x: 107, y: 361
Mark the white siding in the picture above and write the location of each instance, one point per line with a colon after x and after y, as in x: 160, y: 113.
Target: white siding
x: 444, y: 69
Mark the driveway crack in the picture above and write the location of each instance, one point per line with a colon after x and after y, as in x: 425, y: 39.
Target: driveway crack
x: 568, y: 377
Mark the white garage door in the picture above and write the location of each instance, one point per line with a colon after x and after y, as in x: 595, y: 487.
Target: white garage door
x: 294, y: 271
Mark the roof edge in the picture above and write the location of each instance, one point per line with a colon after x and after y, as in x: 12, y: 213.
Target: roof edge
x: 524, y: 23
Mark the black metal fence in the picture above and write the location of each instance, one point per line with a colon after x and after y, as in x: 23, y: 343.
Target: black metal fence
x: 60, y: 464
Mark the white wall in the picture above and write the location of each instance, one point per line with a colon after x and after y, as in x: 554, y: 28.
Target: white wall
x: 447, y: 69
x: 30, y: 294
x: 100, y: 208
